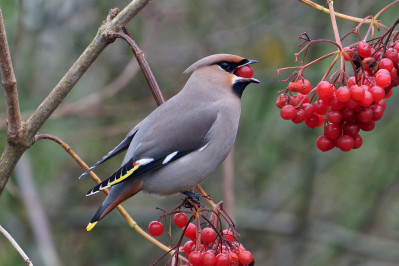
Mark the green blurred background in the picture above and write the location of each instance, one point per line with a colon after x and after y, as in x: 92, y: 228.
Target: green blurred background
x: 294, y: 205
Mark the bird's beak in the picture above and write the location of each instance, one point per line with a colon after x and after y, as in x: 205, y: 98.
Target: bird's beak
x: 250, y: 62
x: 251, y: 80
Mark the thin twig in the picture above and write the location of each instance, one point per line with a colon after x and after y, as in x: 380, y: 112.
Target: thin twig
x: 149, y: 76
x: 10, y: 85
x: 132, y: 223
x: 12, y: 153
x: 340, y: 15
x: 16, y: 246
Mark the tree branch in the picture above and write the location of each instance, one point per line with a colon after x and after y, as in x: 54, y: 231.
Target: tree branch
x: 17, y: 247
x: 61, y: 90
x: 14, y: 150
x: 10, y: 84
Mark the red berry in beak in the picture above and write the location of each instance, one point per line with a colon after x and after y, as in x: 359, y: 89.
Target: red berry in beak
x: 244, y: 71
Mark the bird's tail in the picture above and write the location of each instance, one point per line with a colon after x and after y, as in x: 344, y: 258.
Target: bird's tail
x: 119, y: 193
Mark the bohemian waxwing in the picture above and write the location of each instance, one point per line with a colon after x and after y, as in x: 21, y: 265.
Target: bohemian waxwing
x: 184, y: 140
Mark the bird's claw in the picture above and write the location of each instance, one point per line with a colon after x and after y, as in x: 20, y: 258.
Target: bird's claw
x: 195, y: 197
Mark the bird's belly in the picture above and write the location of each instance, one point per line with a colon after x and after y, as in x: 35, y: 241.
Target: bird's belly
x: 183, y: 174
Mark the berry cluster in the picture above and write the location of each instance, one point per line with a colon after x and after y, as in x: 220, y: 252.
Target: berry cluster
x: 207, y: 245
x: 345, y: 104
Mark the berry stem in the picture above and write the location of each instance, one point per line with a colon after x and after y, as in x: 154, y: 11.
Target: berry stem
x: 334, y: 23
x: 331, y: 66
x: 203, y: 193
x: 385, y: 9
x: 340, y: 15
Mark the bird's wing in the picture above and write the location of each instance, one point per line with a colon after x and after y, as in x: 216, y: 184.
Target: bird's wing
x: 118, y: 149
x: 162, y: 145
x: 134, y: 168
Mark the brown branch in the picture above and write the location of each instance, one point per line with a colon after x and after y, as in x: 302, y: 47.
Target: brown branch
x: 342, y: 16
x: 132, y: 223
x: 15, y: 149
x: 149, y: 76
x: 10, y: 85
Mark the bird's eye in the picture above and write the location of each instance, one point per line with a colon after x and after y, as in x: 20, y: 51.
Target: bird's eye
x: 224, y: 65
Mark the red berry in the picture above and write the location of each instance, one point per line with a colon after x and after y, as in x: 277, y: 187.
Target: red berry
x: 332, y: 131
x: 324, y: 143
x: 296, y: 100
x: 228, y: 235
x: 296, y: 86
x: 382, y: 103
x: 348, y: 114
x: 335, y: 104
x: 244, y: 71
x: 351, y: 81
x: 180, y: 219
x: 222, y: 259
x: 352, y: 104
x: 188, y: 247
x: 208, y: 258
x: 245, y: 258
x: 378, y: 112
x: 307, y: 87
x: 392, y: 54
x: 343, y: 94
x: 233, y: 258
x: 282, y: 100
x: 396, y: 46
x: 383, y: 78
x: 314, y: 121
x: 208, y: 235
x: 190, y: 231
x: 345, y: 143
x: 351, y: 129
x: 320, y: 107
x: 155, y: 228
x: 363, y: 49
x: 367, y: 126
x: 378, y: 93
x: 358, y: 141
x: 288, y: 112
x: 349, y: 51
x: 334, y: 116
x: 366, y: 115
x: 300, y: 116
x: 325, y: 90
x: 357, y: 92
x: 367, y: 99
x: 385, y: 63
x: 195, y: 258
x: 308, y: 109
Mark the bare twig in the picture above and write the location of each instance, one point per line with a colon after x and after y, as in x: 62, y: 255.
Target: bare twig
x: 16, y: 246
x: 149, y: 76
x: 15, y: 149
x: 10, y: 85
x: 132, y: 223
x: 343, y: 16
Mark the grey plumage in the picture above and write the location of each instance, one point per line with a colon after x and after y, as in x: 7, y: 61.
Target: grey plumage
x: 184, y: 140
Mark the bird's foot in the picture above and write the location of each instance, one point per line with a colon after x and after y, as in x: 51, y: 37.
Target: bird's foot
x: 195, y: 197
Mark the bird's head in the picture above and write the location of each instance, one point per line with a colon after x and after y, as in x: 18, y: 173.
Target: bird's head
x: 230, y: 71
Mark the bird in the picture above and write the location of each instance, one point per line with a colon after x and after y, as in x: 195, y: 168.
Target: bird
x: 179, y: 144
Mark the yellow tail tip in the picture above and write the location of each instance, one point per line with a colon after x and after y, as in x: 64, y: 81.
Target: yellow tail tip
x: 90, y: 226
